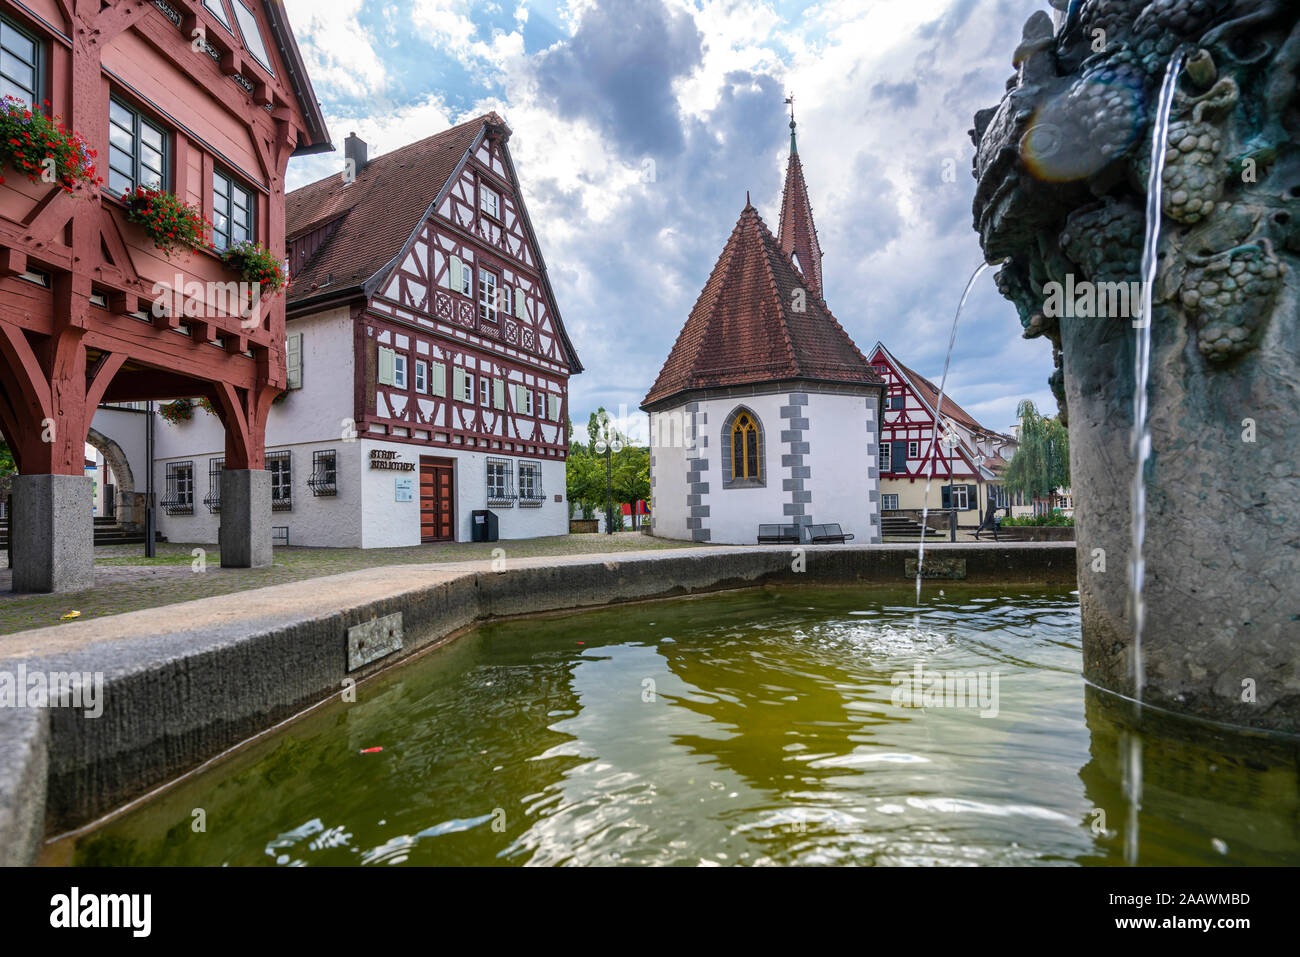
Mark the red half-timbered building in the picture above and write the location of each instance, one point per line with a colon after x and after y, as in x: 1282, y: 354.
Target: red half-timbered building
x: 428, y: 363
x: 204, y: 99
x: 966, y: 463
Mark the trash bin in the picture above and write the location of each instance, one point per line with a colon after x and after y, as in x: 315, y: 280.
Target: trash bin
x: 483, y: 526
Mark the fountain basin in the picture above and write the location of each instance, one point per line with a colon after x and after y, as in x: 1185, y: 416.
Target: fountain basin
x: 186, y: 682
x: 784, y: 724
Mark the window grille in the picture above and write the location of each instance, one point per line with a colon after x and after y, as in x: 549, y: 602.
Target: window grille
x: 213, y: 499
x: 279, y: 464
x: 324, y: 473
x: 178, y: 499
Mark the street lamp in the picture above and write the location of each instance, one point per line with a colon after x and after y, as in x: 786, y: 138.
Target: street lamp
x: 606, y: 448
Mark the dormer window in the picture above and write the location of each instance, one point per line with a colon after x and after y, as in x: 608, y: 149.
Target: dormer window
x: 489, y: 202
x: 794, y: 257
x: 252, y: 34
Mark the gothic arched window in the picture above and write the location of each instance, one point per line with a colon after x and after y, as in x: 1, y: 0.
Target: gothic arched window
x: 743, y: 439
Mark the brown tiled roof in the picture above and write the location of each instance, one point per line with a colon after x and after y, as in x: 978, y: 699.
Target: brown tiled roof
x: 797, y: 232
x: 930, y: 392
x: 377, y: 212
x: 744, y: 328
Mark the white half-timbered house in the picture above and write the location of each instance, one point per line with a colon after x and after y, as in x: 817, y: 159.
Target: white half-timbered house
x: 966, y: 464
x: 428, y: 364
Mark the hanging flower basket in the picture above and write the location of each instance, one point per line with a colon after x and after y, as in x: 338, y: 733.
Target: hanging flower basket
x: 182, y: 410
x: 171, y: 224
x: 42, y: 148
x: 255, y: 263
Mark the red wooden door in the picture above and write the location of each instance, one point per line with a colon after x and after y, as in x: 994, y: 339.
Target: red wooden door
x: 437, y: 501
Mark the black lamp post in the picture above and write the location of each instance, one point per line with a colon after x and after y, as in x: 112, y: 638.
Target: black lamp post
x: 607, y: 449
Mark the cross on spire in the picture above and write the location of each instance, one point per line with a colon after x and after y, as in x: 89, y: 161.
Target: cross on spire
x: 789, y: 101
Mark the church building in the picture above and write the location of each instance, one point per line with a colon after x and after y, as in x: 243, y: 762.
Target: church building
x: 765, y: 412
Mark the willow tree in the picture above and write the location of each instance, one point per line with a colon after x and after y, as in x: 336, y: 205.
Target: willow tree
x: 1041, y: 464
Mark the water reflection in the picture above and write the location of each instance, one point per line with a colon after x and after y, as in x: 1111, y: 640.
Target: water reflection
x: 751, y: 728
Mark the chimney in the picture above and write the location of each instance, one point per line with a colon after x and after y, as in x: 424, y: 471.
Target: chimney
x: 355, y: 149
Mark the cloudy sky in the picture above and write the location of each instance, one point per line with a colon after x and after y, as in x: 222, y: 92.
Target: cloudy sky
x: 640, y: 124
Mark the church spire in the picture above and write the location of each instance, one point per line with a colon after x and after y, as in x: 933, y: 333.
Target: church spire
x: 797, y: 234
x: 789, y: 101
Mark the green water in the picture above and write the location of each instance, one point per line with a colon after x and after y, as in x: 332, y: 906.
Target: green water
x: 748, y: 728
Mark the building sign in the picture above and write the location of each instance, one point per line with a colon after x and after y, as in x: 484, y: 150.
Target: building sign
x: 386, y: 459
x: 405, y: 490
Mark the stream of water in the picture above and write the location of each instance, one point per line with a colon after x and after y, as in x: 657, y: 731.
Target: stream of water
x: 1142, y: 432
x: 938, y: 414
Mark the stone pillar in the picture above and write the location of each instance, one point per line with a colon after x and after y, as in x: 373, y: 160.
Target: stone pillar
x: 245, y: 535
x: 53, y: 533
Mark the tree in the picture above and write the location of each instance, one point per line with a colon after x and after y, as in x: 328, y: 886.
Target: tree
x: 1041, y: 464
x: 585, y: 473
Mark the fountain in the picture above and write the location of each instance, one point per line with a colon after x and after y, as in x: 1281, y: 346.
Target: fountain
x: 934, y: 433
x: 1207, y: 623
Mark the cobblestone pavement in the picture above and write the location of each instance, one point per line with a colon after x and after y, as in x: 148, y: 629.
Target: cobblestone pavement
x: 126, y: 581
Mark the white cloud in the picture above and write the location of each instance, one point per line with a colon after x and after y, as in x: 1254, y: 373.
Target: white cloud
x: 338, y: 54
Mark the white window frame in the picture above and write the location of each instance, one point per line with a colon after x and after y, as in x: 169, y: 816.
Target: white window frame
x: 886, y: 498
x: 485, y: 392
x: 399, y: 371
x: 884, y: 462
x: 468, y: 394
x: 913, y: 450
x: 494, y: 208
x: 421, y: 376
x: 487, y: 295
x: 530, y: 483
x: 961, y: 505
x: 528, y: 401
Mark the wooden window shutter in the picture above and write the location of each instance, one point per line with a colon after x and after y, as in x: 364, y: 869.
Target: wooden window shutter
x: 439, y: 379
x: 498, y: 393
x: 521, y: 308
x: 453, y: 274
x: 386, y: 364
x: 458, y: 383
x: 293, y: 359
x: 898, y: 457
x: 972, y: 497
x: 947, y: 496
x: 553, y: 407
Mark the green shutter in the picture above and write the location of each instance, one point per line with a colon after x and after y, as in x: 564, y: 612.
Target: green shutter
x: 898, y: 457
x: 521, y: 310
x: 553, y: 403
x: 458, y: 383
x: 453, y: 274
x: 439, y: 379
x: 947, y: 496
x: 293, y: 359
x: 386, y: 357
x: 972, y: 497
x: 499, y: 393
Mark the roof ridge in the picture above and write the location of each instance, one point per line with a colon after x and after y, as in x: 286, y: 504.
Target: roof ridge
x: 397, y: 150
x: 764, y: 236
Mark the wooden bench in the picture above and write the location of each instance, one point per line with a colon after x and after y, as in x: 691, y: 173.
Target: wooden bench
x: 827, y: 535
x: 778, y: 535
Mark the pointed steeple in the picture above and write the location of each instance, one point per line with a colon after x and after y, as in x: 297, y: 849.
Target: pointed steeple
x: 753, y: 325
x: 797, y: 234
